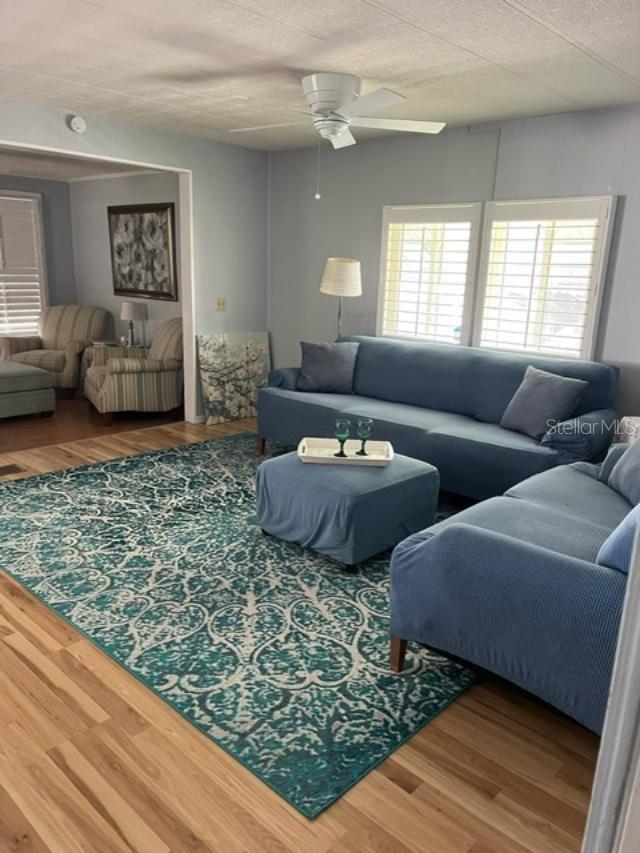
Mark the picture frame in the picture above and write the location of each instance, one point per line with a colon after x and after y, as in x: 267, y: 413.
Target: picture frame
x: 143, y: 250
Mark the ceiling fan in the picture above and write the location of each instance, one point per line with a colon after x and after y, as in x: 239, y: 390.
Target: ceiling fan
x: 335, y: 106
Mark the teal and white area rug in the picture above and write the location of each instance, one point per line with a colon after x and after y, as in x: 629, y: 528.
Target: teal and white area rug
x: 275, y: 653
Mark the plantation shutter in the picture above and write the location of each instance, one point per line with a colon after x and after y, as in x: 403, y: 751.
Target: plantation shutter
x: 543, y: 272
x: 21, y: 275
x: 428, y: 267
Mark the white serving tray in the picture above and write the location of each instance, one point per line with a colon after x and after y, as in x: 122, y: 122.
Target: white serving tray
x: 322, y: 450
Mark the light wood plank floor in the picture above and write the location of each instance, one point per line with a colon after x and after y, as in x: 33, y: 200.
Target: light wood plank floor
x: 90, y: 760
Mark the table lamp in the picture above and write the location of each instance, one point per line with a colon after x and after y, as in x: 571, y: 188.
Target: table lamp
x: 341, y: 278
x: 133, y: 312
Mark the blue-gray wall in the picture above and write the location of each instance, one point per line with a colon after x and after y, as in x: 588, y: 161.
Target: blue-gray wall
x: 91, y: 250
x: 229, y: 200
x: 229, y: 197
x: 587, y: 153
x: 56, y: 213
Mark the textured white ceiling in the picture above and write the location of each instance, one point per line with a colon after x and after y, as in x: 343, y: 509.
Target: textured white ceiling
x: 57, y: 167
x: 206, y: 66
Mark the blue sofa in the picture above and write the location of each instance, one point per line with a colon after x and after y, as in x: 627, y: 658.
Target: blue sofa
x: 443, y: 404
x: 512, y: 585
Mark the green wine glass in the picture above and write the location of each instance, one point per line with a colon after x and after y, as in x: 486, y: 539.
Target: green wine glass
x: 365, y: 426
x: 342, y: 432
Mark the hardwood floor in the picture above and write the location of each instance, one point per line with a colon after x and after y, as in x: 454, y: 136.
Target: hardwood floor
x: 90, y: 760
x: 73, y: 419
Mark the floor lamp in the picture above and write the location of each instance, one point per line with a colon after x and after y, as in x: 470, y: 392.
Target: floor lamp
x: 341, y: 278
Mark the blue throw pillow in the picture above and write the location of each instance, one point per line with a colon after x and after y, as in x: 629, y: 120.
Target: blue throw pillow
x: 613, y: 454
x: 541, y: 400
x: 327, y: 368
x: 625, y: 475
x: 617, y: 548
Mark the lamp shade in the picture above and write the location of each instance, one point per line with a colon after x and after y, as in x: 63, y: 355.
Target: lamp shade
x: 133, y: 311
x: 342, y: 277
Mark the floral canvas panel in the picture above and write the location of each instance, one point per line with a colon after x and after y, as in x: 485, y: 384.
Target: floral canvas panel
x: 143, y: 251
x: 233, y: 368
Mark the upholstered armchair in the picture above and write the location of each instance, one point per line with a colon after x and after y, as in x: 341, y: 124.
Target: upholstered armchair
x: 64, y: 332
x: 137, y: 380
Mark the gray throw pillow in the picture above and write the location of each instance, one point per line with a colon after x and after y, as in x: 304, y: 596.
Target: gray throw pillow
x: 328, y: 367
x: 542, y: 399
x: 625, y: 474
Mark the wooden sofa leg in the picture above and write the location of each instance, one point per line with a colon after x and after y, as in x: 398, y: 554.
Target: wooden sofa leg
x: 262, y: 446
x: 397, y: 650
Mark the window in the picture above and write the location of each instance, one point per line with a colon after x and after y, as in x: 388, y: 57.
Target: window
x: 428, y: 266
x: 537, y: 287
x: 22, y: 274
x: 542, y: 275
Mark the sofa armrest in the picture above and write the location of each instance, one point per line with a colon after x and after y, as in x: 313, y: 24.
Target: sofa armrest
x: 487, y: 569
x: 11, y: 345
x: 143, y: 365
x: 584, y: 437
x: 544, y: 620
x: 284, y: 377
x: 102, y: 354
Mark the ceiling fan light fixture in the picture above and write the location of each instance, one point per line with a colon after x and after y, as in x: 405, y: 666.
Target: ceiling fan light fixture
x: 330, y: 126
x: 335, y: 105
x: 326, y: 91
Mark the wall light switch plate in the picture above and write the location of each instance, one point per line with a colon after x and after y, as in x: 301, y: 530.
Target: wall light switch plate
x: 221, y: 303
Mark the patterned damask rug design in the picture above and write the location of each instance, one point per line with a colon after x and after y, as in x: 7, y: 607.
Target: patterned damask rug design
x: 275, y: 653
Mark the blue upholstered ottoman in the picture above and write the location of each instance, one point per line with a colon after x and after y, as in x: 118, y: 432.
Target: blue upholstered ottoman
x: 348, y: 513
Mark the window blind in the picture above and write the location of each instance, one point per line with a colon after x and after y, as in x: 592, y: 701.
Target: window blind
x: 426, y: 272
x: 21, y: 276
x: 542, y: 276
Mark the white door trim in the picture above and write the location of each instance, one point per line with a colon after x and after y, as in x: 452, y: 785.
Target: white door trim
x: 613, y: 825
x: 185, y: 202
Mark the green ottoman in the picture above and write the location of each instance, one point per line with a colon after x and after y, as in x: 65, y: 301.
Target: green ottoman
x: 25, y: 390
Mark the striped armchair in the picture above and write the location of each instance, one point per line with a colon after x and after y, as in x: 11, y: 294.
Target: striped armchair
x: 118, y: 382
x: 64, y: 332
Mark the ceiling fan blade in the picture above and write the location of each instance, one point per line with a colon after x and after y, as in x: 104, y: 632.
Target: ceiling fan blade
x: 407, y: 125
x: 371, y: 103
x: 344, y: 139
x: 266, y: 126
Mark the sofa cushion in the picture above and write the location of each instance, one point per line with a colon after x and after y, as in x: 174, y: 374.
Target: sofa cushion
x: 291, y: 415
x: 625, y: 474
x: 481, y: 460
x: 533, y: 523
x: 541, y: 400
x: 22, y: 377
x: 52, y: 360
x: 327, y: 367
x: 385, y: 413
x: 574, y: 490
x: 617, y: 550
x: 465, y: 380
x: 405, y: 426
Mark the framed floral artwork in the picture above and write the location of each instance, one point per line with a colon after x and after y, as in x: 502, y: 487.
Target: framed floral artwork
x: 143, y: 250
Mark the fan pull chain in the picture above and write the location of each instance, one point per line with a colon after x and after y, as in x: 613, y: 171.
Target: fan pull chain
x: 318, y: 195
